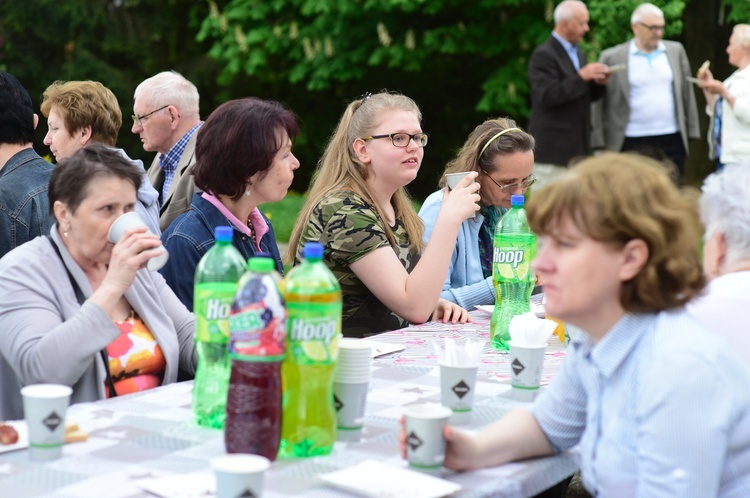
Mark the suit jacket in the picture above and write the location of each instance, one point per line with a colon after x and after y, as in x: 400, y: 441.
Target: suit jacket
x: 611, y: 114
x: 560, y: 104
x: 183, y: 186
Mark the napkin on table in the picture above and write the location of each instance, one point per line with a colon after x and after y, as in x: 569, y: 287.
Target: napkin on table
x: 527, y: 330
x: 459, y: 353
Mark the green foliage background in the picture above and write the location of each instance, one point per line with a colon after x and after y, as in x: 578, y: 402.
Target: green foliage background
x: 461, y: 61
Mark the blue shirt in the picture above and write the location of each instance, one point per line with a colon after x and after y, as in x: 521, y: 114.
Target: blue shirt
x: 171, y: 160
x: 571, y: 50
x: 660, y: 407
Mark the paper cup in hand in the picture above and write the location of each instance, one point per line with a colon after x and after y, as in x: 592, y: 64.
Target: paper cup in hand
x: 425, y: 443
x: 239, y: 474
x: 457, y: 386
x: 452, y: 179
x: 132, y: 220
x: 525, y: 370
x: 44, y: 407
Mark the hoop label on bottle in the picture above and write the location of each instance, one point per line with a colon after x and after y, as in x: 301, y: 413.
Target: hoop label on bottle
x: 512, y: 260
x: 313, y: 332
x: 213, y: 303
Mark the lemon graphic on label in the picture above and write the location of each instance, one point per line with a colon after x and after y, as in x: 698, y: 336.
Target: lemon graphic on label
x: 315, y: 350
x: 521, y: 272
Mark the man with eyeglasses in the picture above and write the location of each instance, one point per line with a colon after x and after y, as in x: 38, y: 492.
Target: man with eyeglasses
x: 562, y: 89
x: 166, y: 117
x: 650, y: 106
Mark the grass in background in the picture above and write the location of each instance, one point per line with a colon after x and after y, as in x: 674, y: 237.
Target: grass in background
x: 283, y: 214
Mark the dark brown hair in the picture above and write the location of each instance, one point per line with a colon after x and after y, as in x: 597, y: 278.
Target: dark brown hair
x: 239, y: 139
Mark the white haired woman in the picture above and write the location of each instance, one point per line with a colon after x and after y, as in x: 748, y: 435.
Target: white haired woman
x: 728, y: 103
x: 726, y: 257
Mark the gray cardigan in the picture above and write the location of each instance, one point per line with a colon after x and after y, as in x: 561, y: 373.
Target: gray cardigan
x: 47, y: 337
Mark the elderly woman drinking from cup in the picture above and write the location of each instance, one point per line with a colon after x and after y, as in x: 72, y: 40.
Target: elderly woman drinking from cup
x: 618, y: 254
x: 243, y: 159
x: 503, y: 156
x: 76, y: 309
x: 725, y: 211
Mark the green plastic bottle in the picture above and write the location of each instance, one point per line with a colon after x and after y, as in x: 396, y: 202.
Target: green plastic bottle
x: 216, y: 278
x: 313, y: 300
x: 514, y: 249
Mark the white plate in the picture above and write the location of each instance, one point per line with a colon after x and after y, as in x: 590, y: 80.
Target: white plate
x: 198, y: 485
x: 537, y: 308
x: 379, y: 480
x: 23, y: 436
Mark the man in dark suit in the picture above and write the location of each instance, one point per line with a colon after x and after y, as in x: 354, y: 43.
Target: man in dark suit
x: 562, y: 89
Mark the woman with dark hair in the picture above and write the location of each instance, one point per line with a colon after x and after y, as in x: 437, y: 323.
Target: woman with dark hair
x: 656, y: 403
x: 502, y: 154
x: 76, y: 309
x: 243, y: 159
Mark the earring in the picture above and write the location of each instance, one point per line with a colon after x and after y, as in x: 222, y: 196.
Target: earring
x: 247, y: 193
x: 65, y: 234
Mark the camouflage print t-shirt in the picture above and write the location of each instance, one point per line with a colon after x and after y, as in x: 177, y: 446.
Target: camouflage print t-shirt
x: 349, y: 229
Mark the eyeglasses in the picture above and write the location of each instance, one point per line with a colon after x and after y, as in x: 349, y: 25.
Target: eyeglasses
x: 653, y: 28
x: 523, y: 184
x: 402, y: 139
x: 140, y: 119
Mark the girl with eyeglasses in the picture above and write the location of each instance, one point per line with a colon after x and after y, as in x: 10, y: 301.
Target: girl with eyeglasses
x: 502, y: 155
x: 358, y: 209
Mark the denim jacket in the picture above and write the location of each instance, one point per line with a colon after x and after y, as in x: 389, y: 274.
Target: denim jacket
x: 24, y: 205
x: 191, y: 235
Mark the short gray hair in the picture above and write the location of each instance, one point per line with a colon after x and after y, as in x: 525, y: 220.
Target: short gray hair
x: 564, y: 11
x: 171, y: 88
x: 725, y: 208
x: 743, y: 34
x: 643, y: 10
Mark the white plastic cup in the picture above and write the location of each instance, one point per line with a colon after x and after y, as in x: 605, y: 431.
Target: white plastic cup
x: 131, y: 220
x: 452, y: 179
x: 239, y: 474
x: 425, y: 443
x: 457, y: 386
x: 526, y: 364
x: 350, y: 401
x: 44, y: 407
x: 354, y: 363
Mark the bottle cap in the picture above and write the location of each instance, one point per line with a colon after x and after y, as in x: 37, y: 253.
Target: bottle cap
x: 224, y: 234
x: 313, y: 250
x: 261, y: 265
x: 516, y: 200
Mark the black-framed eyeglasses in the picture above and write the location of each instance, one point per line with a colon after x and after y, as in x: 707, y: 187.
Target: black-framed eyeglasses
x: 403, y: 139
x: 523, y: 184
x: 652, y: 27
x: 140, y: 119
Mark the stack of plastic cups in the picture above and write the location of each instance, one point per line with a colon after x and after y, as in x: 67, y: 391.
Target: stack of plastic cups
x: 351, y: 382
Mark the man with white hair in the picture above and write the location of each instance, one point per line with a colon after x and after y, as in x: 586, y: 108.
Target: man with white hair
x: 562, y: 89
x: 166, y: 116
x: 648, y: 107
